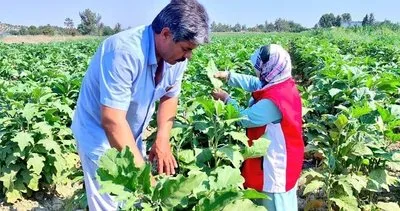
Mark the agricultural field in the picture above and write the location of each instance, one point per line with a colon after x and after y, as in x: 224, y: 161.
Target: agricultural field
x: 350, y: 86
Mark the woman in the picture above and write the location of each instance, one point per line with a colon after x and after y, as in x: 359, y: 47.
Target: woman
x: 274, y: 113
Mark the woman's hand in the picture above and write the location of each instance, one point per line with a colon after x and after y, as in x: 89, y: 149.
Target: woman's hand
x: 222, y: 75
x: 220, y: 95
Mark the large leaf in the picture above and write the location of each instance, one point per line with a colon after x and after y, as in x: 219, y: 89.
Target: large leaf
x: 360, y: 149
x: 23, y: 139
x: 378, y: 179
x: 313, y: 186
x: 233, y: 154
x: 388, y: 206
x: 341, y: 121
x: 117, y: 171
x: 347, y: 187
x: 186, y: 156
x: 346, y: 202
x: 211, y: 70
x: 258, y: 149
x: 50, y: 145
x: 226, y: 177
x: 217, y: 200
x: 176, y: 191
x: 357, y: 181
x: 253, y: 194
x: 241, y: 137
x: 36, y: 163
x: 243, y: 205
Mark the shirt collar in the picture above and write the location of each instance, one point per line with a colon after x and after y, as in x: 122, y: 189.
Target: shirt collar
x: 152, y: 47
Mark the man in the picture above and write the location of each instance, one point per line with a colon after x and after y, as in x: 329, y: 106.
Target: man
x: 130, y: 72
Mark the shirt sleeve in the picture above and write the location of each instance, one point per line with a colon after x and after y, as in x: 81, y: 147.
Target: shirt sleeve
x: 261, y: 113
x: 117, y: 73
x: 246, y: 82
x: 175, y: 90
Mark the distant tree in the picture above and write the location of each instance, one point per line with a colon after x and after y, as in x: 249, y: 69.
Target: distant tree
x: 47, y: 30
x: 213, y: 26
x: 346, y: 17
x: 338, y: 21
x: 117, y: 28
x: 244, y: 27
x: 282, y: 25
x: 327, y: 20
x: 33, y: 30
x: 107, y: 31
x: 365, y: 21
x: 89, y: 22
x: 237, y: 28
x: 371, y: 19
x: 70, y: 27
x: 100, y: 29
x: 23, y: 31
x: 295, y: 27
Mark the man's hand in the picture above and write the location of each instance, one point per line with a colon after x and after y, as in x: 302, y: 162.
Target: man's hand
x: 153, y: 181
x: 222, y: 75
x: 161, y: 152
x: 220, y: 95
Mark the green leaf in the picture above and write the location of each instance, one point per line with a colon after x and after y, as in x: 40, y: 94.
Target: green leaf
x: 388, y: 206
x: 395, y: 166
x: 50, y: 145
x: 144, y: 179
x: 258, y: 149
x: 217, y: 200
x: 9, y: 177
x: 13, y: 196
x: 207, y: 105
x: 378, y: 179
x: 341, y: 121
x: 233, y: 155
x: 311, y: 173
x: 226, y: 177
x: 243, y: 205
x: 29, y: 111
x: 346, y: 202
x: 203, y: 156
x: 23, y: 139
x: 346, y: 186
x: 359, y: 111
x: 35, y: 163
x: 211, y: 70
x: 175, y: 191
x: 253, y: 194
x: 43, y: 128
x: 360, y: 149
x: 313, y: 186
x: 33, y: 182
x: 117, y: 172
x: 186, y: 156
x: 241, y: 137
x: 358, y: 182
x: 334, y: 91
x: 231, y: 112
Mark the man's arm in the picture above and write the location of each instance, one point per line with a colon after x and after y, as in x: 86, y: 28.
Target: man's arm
x: 118, y: 132
x: 161, y: 149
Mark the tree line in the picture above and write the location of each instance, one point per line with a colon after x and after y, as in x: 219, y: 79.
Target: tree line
x: 91, y: 24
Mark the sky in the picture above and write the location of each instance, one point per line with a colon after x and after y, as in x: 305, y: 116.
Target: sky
x: 131, y: 13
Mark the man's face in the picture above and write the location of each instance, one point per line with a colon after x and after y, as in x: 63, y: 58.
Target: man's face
x: 179, y: 51
x: 174, y: 52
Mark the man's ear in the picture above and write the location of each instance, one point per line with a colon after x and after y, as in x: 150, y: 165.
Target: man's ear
x: 166, y: 33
